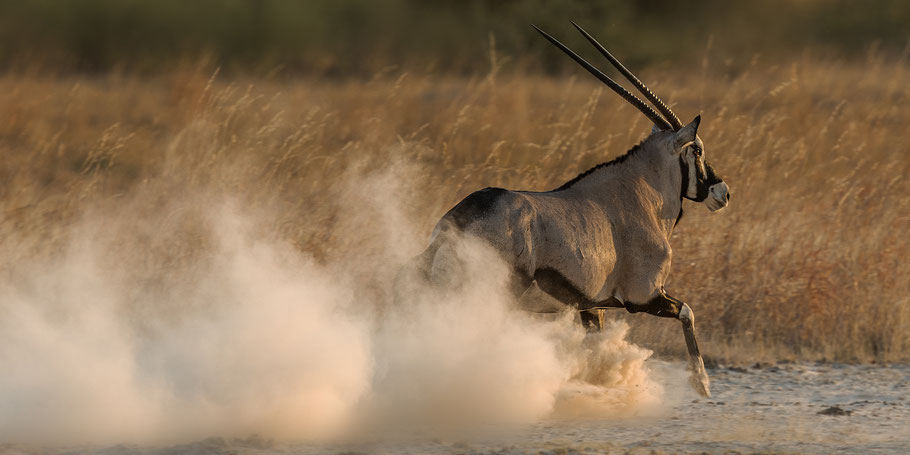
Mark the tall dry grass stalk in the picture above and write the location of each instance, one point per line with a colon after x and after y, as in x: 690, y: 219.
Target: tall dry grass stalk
x: 808, y: 262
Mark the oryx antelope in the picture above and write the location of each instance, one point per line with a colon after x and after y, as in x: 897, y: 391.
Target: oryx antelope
x: 602, y: 239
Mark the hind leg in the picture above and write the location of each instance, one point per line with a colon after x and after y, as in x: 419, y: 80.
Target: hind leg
x: 592, y: 312
x: 414, y: 274
x: 519, y: 284
x: 593, y: 320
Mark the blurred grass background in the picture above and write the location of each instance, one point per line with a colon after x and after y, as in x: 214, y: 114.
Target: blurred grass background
x: 363, y: 37
x: 141, y: 111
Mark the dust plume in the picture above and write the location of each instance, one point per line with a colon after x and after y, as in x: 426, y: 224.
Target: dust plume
x: 172, y: 318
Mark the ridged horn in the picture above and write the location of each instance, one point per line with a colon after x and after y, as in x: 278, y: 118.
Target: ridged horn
x: 670, y: 116
x: 625, y: 94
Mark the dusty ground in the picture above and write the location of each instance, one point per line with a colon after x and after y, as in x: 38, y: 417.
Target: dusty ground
x: 786, y: 408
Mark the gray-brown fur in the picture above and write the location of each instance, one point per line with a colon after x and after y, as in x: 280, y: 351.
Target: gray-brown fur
x: 608, y: 233
x: 601, y: 240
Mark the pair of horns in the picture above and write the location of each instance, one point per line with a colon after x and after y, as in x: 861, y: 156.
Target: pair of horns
x: 669, y: 120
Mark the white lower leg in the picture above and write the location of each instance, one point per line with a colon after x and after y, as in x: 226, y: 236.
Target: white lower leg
x: 699, y: 378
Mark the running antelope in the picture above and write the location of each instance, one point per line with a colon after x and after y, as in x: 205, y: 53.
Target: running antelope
x: 602, y: 239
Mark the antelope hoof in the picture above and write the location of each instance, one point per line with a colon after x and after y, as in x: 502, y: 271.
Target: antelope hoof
x: 699, y: 377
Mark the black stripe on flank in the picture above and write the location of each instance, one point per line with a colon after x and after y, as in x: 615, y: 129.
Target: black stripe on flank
x: 559, y: 287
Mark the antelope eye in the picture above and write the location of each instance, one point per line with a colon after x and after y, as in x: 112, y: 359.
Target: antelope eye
x: 696, y: 150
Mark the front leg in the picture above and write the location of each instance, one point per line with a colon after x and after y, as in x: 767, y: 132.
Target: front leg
x: 699, y: 378
x: 665, y: 306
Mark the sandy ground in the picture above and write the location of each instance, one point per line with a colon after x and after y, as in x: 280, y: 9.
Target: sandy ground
x: 784, y: 408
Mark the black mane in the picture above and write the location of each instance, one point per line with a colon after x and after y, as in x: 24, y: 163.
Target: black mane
x: 617, y: 160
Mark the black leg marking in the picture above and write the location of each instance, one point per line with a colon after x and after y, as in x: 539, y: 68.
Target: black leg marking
x: 665, y: 306
x: 660, y: 305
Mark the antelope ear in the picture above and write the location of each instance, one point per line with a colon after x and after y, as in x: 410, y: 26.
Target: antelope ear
x: 687, y: 133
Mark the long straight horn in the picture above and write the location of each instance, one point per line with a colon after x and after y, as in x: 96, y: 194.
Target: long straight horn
x: 632, y: 99
x: 671, y: 117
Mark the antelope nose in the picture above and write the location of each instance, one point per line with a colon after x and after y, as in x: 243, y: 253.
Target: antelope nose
x: 720, y: 192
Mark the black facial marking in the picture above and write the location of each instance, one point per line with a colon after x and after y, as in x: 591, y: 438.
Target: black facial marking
x: 475, y: 206
x: 703, y: 180
x: 711, y: 178
x: 684, y: 187
x: 702, y: 186
x: 684, y: 168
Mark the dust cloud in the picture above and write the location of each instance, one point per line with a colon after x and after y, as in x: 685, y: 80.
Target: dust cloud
x: 121, y: 336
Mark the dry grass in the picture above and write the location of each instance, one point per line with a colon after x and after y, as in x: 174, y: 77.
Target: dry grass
x: 808, y: 262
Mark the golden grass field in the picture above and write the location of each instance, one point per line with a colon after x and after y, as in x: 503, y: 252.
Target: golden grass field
x: 808, y: 262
